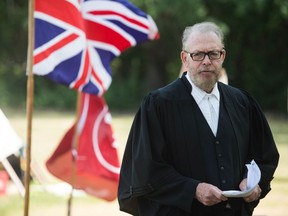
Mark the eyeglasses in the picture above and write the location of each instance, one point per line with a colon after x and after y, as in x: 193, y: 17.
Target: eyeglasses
x: 199, y: 56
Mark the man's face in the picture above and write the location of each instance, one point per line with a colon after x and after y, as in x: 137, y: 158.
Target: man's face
x: 205, y: 73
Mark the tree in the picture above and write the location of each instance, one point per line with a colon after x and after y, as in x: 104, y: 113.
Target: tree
x: 13, y: 43
x: 255, y: 31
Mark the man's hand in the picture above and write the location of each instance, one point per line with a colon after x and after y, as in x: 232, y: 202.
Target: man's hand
x: 255, y: 195
x: 209, y: 195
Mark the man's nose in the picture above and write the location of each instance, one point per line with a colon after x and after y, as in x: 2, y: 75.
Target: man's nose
x: 206, y: 60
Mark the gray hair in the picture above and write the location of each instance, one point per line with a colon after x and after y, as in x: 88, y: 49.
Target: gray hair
x: 203, y: 27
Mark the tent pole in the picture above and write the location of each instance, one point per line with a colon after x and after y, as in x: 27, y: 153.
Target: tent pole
x: 13, y: 176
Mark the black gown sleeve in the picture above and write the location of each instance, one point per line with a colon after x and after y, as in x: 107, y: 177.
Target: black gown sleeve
x: 145, y: 171
x: 263, y: 148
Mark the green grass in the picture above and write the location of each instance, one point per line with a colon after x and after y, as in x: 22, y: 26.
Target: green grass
x: 48, y: 129
x: 43, y: 203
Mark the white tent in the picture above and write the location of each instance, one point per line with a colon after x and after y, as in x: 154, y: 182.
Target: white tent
x: 10, y: 143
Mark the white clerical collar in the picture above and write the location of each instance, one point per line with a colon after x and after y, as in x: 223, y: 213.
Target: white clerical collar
x: 198, y: 94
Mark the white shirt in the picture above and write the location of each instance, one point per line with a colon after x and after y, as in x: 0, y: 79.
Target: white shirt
x: 200, y: 97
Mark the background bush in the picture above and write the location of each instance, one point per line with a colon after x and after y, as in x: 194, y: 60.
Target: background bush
x: 256, y: 42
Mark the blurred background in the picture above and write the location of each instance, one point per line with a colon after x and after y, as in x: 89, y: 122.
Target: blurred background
x: 256, y: 33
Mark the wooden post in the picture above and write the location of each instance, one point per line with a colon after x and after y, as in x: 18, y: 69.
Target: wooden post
x: 29, y: 101
x: 74, y: 152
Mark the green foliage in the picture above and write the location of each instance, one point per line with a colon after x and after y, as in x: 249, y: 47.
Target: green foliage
x: 128, y: 84
x: 256, y: 39
x: 12, y: 85
x: 13, y: 43
x: 48, y: 94
x: 255, y: 31
x: 256, y: 59
x: 13, y: 28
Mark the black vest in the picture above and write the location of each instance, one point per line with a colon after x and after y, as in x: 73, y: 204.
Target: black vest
x: 221, y: 161
x: 221, y: 155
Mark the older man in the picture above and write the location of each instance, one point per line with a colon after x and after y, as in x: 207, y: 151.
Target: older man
x: 191, y: 139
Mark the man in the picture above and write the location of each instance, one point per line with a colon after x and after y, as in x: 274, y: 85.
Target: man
x: 191, y: 139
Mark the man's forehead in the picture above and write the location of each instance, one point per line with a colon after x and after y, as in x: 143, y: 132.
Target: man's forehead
x: 211, y: 36
x: 199, y: 39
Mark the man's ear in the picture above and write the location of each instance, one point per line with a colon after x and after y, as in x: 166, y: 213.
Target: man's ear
x: 183, y: 57
x: 223, y: 55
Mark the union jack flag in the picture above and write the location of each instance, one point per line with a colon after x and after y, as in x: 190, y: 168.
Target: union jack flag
x: 76, y: 40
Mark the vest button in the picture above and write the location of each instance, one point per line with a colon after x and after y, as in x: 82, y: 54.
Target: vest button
x: 223, y: 181
x: 221, y: 168
x: 217, y: 142
x: 219, y: 155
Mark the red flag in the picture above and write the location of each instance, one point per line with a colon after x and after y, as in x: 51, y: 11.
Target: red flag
x: 76, y: 48
x: 97, y: 165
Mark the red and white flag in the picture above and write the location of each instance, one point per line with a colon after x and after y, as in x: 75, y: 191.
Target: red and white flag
x: 96, y: 168
x: 76, y: 40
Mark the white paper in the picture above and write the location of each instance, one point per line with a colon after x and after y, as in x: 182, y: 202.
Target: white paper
x: 253, y: 178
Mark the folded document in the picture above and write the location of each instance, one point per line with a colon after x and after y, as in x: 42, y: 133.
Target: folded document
x: 253, y: 178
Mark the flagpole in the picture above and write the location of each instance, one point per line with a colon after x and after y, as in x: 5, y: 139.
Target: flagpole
x: 29, y: 101
x: 74, y: 152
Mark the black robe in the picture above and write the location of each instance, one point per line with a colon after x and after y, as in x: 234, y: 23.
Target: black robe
x: 167, y: 156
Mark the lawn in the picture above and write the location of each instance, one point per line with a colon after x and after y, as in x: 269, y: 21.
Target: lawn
x: 48, y: 129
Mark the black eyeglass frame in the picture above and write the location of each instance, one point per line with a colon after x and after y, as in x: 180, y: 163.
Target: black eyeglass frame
x: 205, y: 53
